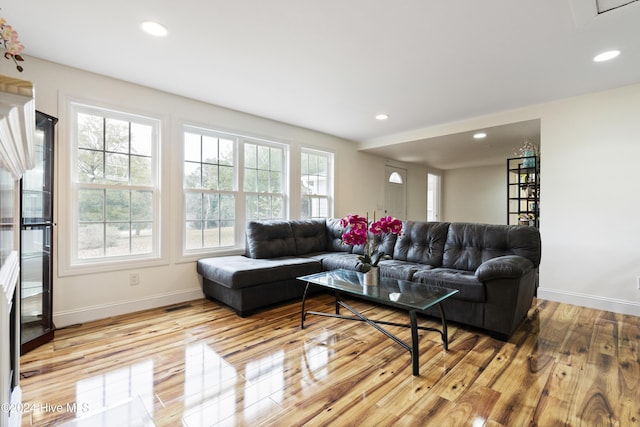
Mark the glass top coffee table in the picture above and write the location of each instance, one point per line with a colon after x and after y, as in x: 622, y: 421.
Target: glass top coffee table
x: 403, y: 294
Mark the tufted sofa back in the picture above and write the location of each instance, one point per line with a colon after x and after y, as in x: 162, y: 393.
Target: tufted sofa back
x: 274, y: 239
x: 462, y: 246
x: 421, y: 242
x: 468, y: 244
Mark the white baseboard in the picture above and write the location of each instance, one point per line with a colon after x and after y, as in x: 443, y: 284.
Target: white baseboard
x: 96, y: 312
x: 591, y: 301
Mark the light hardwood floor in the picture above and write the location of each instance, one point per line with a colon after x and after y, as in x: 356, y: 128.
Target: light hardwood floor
x: 198, y: 364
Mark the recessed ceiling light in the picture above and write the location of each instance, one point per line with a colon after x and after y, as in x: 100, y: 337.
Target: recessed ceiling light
x: 382, y: 117
x: 154, y: 28
x: 479, y: 135
x: 605, y: 56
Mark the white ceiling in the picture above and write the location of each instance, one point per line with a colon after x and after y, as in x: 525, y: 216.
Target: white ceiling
x: 332, y: 65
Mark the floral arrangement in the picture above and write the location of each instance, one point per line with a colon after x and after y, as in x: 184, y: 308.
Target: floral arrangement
x: 528, y: 149
x: 11, y: 44
x: 358, y: 232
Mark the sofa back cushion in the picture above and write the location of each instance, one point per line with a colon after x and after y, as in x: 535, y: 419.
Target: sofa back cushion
x: 384, y: 243
x: 421, y: 242
x: 469, y: 245
x: 334, y: 237
x: 309, y: 235
x: 270, y: 239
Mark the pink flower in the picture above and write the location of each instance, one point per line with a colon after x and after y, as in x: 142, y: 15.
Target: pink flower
x: 357, y: 233
x: 14, y: 48
x: 11, y: 44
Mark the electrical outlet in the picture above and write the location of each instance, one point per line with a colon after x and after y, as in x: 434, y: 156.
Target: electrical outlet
x: 134, y: 279
x: 638, y: 282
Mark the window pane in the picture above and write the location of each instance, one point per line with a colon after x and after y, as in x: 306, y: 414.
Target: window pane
x: 275, y: 182
x: 91, y: 205
x: 141, y: 170
x: 141, y: 206
x: 276, y: 159
x: 117, y: 205
x: 225, y: 178
x: 193, y: 206
x: 250, y: 180
x: 118, y: 239
x: 226, y: 152
x: 277, y: 207
x: 90, y: 132
x: 116, y: 136
x: 194, y: 235
x: 141, y: 139
x: 90, y: 166
x: 227, y: 206
x: 263, y: 181
x: 211, y: 235
x: 192, y: 147
x: 321, y: 185
x: 252, y: 207
x: 209, y: 149
x: 211, y: 211
x: 116, y: 167
x: 250, y: 156
x: 210, y: 177
x: 304, y: 163
x: 263, y: 157
x: 90, y: 240
x: 305, y: 208
x: 192, y: 175
x: 227, y: 233
x: 142, y: 237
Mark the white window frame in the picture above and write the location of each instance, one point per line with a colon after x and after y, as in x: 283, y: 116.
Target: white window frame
x: 69, y: 261
x: 240, y: 193
x: 329, y: 196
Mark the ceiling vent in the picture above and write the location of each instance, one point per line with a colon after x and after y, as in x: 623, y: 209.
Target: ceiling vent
x: 586, y: 11
x: 603, y: 6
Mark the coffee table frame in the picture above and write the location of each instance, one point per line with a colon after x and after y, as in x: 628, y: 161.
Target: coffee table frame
x: 413, y: 349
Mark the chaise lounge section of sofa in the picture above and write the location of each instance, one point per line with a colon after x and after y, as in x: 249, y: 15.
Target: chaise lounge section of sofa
x: 494, y: 267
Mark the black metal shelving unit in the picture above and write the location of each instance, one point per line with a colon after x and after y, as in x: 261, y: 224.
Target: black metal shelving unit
x: 523, y: 191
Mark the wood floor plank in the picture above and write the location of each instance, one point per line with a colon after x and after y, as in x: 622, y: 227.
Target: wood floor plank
x: 198, y: 364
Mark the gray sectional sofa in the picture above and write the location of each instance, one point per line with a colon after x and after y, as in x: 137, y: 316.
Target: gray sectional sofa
x: 494, y: 267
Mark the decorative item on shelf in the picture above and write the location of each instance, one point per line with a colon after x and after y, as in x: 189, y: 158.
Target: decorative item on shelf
x: 526, y: 218
x: 13, y: 48
x: 529, y: 151
x: 357, y: 231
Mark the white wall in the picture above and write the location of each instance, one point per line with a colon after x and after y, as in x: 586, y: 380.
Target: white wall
x: 590, y: 200
x: 83, y: 297
x: 475, y: 195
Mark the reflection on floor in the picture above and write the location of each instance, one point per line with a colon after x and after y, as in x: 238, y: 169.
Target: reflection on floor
x: 198, y: 364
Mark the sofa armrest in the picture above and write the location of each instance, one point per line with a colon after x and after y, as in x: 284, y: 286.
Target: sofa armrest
x: 504, y: 267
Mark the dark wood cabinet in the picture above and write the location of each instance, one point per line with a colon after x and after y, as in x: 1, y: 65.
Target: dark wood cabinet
x: 36, y: 242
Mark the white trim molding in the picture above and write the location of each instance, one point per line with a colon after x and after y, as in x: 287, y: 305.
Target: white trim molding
x: 103, y: 311
x: 591, y: 301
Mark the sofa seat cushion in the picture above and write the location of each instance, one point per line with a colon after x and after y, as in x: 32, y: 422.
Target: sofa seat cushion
x: 400, y: 270
x: 238, y: 272
x: 466, y: 282
x: 338, y: 260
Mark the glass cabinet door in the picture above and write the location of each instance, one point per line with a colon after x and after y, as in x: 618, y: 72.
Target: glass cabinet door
x: 36, y: 240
